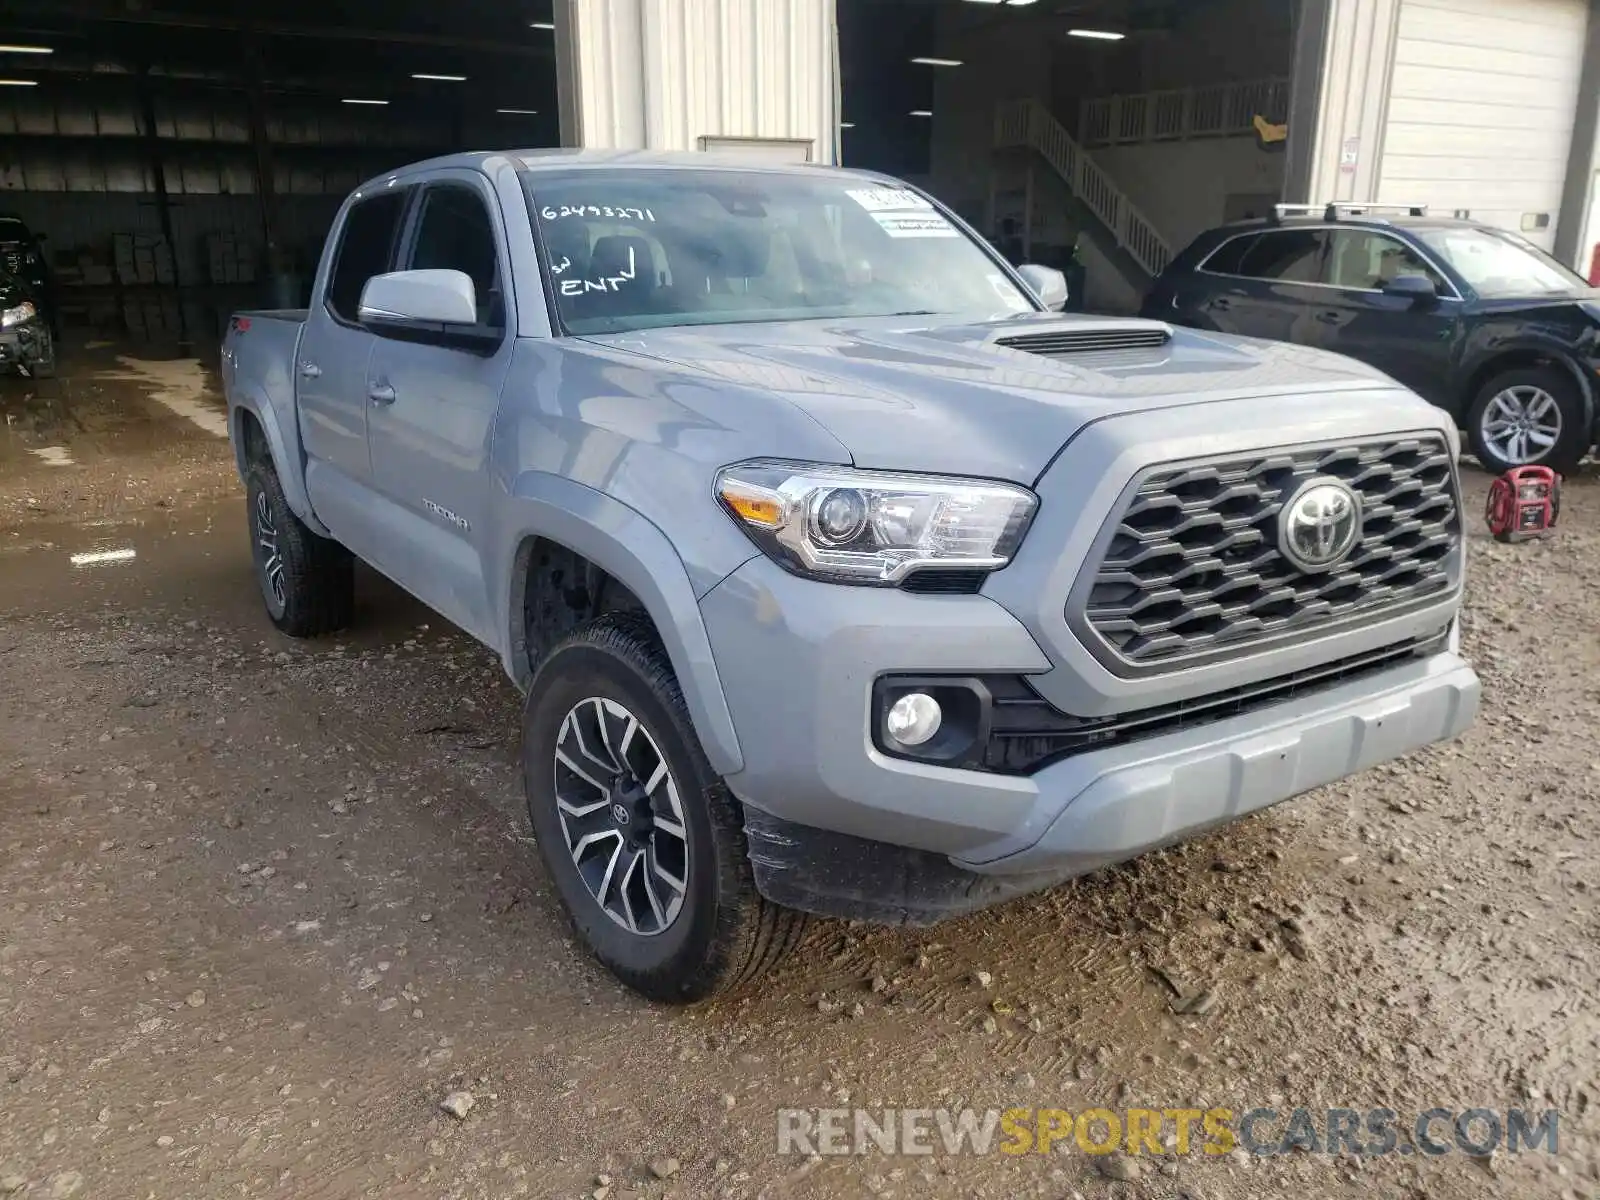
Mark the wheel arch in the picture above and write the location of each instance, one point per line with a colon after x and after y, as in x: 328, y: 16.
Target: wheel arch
x: 1520, y: 357
x: 253, y: 429
x: 552, y: 511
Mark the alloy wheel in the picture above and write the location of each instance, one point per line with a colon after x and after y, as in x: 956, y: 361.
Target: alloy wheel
x: 1522, y: 424
x: 268, y: 553
x: 621, y: 815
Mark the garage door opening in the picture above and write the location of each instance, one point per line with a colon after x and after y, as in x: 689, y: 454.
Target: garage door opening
x: 1099, y: 137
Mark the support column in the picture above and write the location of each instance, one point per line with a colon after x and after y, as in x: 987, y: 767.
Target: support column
x: 1573, y: 240
x: 1307, y: 69
x: 1357, y: 64
x: 158, y: 177
x: 686, y: 75
x: 277, y: 261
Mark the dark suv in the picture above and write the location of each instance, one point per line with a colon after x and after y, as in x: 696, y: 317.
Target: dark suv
x: 1480, y: 321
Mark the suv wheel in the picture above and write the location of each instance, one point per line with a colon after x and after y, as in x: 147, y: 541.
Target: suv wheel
x: 642, y: 839
x: 1528, y: 416
x: 308, y: 582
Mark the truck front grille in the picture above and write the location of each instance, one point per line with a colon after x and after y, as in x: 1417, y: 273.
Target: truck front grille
x: 1192, y: 570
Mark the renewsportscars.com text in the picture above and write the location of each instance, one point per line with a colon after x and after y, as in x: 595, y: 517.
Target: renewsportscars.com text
x: 1372, y: 1132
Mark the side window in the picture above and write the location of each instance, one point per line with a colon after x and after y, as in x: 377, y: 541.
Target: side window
x: 455, y: 233
x: 1291, y: 256
x: 366, y: 246
x: 1365, y: 260
x: 1227, y: 258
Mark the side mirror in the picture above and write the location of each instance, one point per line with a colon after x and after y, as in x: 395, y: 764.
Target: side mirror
x: 1419, y: 289
x: 430, y: 297
x: 1047, y: 283
x: 436, y: 307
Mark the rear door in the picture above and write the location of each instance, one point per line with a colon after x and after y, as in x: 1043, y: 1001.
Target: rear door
x: 1266, y: 287
x: 331, y: 374
x: 431, y: 408
x: 1410, y: 341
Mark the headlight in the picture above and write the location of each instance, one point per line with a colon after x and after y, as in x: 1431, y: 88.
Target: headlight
x: 874, y: 527
x: 16, y: 316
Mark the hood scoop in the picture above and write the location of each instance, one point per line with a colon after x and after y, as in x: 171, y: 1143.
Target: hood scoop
x: 1090, y: 338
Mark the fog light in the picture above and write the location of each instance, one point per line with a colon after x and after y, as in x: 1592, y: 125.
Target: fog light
x: 913, y: 719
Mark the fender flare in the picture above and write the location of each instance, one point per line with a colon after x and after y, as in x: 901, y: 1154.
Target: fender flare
x: 288, y: 466
x: 632, y: 549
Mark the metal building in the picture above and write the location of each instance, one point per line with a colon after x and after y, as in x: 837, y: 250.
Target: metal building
x: 185, y: 156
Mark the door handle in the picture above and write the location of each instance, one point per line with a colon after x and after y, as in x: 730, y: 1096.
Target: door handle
x: 1328, y: 317
x: 381, y: 394
x: 310, y: 370
x: 1221, y: 305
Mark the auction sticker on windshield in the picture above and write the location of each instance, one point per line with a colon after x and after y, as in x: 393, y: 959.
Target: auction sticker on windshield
x: 889, y: 199
x: 914, y: 225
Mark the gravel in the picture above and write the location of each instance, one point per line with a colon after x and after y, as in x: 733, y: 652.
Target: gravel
x: 1424, y: 933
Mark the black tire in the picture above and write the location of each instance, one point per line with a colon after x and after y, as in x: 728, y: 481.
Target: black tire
x: 724, y: 933
x: 307, y: 581
x: 1524, y: 385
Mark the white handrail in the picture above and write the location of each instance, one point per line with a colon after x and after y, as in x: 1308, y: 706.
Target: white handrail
x: 1217, y: 110
x: 1029, y: 123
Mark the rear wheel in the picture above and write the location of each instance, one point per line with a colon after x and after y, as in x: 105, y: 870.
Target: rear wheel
x: 307, y: 581
x: 1528, y: 416
x: 642, y: 839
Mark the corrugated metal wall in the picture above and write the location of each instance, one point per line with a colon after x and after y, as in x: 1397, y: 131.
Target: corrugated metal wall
x: 662, y: 74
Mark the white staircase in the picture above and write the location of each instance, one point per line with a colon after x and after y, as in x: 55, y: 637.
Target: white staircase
x: 1027, y: 123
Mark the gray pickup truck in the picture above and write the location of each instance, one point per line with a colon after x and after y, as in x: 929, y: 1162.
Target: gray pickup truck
x: 841, y: 572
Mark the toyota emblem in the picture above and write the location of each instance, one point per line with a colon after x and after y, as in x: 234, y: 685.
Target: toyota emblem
x: 1320, y: 525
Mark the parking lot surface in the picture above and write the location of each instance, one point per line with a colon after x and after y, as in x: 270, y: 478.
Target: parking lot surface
x: 265, y: 904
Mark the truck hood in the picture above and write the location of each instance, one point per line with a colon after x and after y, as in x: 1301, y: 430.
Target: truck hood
x: 901, y: 395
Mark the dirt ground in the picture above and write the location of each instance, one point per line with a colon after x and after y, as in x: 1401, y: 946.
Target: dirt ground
x: 264, y: 904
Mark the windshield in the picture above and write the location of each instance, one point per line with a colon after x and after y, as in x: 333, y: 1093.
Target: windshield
x: 648, y: 248
x: 1499, y: 265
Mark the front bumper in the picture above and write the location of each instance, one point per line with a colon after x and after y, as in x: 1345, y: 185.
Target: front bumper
x: 798, y: 660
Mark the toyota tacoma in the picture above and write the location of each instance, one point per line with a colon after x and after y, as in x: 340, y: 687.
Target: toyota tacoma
x: 841, y: 572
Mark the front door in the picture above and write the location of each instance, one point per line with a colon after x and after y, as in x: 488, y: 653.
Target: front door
x: 431, y: 410
x: 1408, y: 340
x: 331, y: 372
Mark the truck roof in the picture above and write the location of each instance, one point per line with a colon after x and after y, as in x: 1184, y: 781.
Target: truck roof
x: 577, y: 160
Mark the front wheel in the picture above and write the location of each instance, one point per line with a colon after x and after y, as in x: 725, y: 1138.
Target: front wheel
x: 307, y: 581
x: 642, y: 839
x: 1529, y: 416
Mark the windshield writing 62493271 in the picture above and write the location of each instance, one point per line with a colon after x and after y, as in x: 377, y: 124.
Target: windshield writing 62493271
x: 553, y: 212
